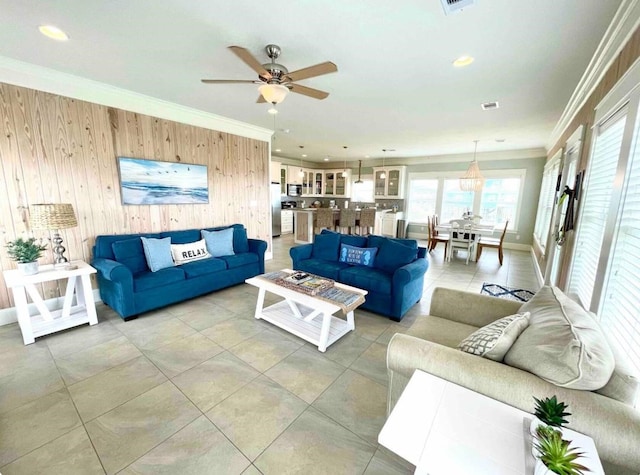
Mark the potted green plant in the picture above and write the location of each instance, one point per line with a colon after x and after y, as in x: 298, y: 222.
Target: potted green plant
x: 549, y: 411
x: 26, y: 253
x: 556, y: 456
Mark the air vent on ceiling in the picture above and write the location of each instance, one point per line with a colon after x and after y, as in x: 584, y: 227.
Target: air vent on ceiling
x: 487, y: 106
x: 452, y: 6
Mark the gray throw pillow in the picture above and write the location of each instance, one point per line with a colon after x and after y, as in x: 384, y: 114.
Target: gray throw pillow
x: 563, y: 344
x: 494, y: 340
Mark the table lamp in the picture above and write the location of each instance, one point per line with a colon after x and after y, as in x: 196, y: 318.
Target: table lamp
x: 53, y: 217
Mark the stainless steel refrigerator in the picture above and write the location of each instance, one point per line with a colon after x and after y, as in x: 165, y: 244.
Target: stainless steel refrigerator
x: 276, y: 209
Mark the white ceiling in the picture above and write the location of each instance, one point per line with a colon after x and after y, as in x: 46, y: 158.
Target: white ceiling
x: 395, y: 86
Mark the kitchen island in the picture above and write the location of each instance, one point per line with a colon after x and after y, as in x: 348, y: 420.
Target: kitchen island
x: 305, y: 218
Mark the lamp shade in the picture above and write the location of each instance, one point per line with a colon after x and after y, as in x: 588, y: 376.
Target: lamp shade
x: 472, y: 180
x: 273, y: 93
x: 52, y: 216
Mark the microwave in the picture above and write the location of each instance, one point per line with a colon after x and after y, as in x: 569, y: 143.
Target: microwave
x: 294, y: 190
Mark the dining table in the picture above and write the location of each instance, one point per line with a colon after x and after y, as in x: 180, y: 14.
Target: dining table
x: 480, y: 229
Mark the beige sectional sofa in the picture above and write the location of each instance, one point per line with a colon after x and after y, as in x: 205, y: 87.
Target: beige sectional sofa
x: 430, y: 345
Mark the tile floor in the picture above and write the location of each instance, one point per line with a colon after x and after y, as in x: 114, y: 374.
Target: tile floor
x: 202, y: 387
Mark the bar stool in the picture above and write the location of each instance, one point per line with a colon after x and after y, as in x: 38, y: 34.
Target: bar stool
x: 347, y: 220
x: 367, y: 221
x: 324, y: 218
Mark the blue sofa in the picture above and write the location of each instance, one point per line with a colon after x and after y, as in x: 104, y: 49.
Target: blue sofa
x: 130, y: 288
x: 394, y: 281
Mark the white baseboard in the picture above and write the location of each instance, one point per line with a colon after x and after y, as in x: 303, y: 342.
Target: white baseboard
x: 9, y: 315
x: 536, y: 267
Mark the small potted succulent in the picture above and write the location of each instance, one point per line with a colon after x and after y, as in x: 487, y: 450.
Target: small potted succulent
x: 555, y: 455
x: 26, y: 253
x: 549, y: 411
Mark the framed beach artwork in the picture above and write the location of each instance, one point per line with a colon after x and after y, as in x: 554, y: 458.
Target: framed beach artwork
x: 151, y: 182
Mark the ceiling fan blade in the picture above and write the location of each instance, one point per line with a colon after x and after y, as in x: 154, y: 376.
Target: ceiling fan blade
x: 313, y: 71
x: 225, y: 81
x: 308, y: 91
x: 260, y: 99
x: 250, y: 61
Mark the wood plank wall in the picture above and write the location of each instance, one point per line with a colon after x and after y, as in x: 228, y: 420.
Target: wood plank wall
x: 57, y: 149
x: 586, y: 116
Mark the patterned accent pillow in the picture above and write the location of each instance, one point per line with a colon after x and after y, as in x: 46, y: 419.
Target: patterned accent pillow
x: 359, y: 256
x: 494, y: 340
x: 192, y: 251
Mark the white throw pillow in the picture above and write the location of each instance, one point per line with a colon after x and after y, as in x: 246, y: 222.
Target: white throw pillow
x: 494, y: 340
x: 563, y: 344
x: 192, y: 251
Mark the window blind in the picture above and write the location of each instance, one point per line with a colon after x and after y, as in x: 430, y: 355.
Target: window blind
x: 594, y: 207
x: 546, y: 202
x: 621, y: 294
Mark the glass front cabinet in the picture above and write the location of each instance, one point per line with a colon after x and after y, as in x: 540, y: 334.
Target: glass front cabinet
x: 389, y: 182
x: 329, y: 183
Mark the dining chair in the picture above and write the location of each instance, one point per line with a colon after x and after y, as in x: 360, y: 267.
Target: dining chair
x: 367, y: 221
x: 324, y: 218
x: 493, y: 242
x: 435, y: 237
x: 347, y: 220
x: 462, y: 237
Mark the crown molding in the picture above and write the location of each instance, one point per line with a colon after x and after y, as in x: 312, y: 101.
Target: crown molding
x: 29, y: 75
x: 623, y: 25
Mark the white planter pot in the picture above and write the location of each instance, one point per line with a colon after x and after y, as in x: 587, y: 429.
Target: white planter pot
x: 541, y: 469
x: 28, y: 268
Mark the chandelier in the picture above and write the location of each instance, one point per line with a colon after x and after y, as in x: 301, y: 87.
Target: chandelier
x: 472, y: 180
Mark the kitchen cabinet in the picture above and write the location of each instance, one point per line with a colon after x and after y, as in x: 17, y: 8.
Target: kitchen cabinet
x: 387, y: 223
x: 293, y: 175
x: 392, y: 185
x: 329, y: 183
x: 318, y: 181
x: 274, y: 172
x: 343, y: 184
x: 286, y: 218
x: 283, y: 179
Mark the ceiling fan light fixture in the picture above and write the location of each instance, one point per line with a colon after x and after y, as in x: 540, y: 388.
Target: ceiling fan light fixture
x: 273, y: 93
x: 472, y: 180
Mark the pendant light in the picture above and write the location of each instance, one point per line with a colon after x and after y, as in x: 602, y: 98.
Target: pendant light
x: 383, y: 175
x: 301, y: 173
x: 472, y: 180
x: 359, y: 180
x: 344, y: 170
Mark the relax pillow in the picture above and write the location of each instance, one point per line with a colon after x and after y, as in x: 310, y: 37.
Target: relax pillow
x: 494, y: 340
x: 563, y: 343
x: 193, y: 251
x: 360, y: 256
x: 158, y: 253
x: 393, y: 255
x: 219, y: 243
x: 326, y: 247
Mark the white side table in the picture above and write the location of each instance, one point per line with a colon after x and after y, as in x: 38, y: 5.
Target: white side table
x: 446, y: 429
x: 47, y: 321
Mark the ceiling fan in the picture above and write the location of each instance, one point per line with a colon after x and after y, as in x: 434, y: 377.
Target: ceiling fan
x: 275, y: 80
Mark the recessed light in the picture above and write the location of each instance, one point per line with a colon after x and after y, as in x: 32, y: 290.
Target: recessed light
x: 304, y: 155
x: 53, y: 32
x: 463, y: 61
x: 367, y: 156
x: 278, y: 150
x: 326, y: 159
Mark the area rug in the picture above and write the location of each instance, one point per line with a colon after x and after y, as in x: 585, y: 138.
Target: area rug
x: 504, y: 292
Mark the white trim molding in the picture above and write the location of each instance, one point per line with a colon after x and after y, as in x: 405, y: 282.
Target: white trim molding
x: 31, y: 76
x: 624, y: 24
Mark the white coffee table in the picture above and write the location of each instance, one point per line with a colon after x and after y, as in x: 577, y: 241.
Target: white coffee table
x: 443, y: 428
x: 308, y: 317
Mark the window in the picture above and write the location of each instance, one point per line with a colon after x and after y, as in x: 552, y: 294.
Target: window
x: 423, y: 195
x: 362, y: 191
x: 455, y: 202
x: 546, y: 201
x: 439, y: 193
x: 594, y: 208
x: 499, y: 200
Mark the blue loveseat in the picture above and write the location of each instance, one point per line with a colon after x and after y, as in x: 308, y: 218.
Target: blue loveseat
x: 394, y: 280
x: 130, y: 288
